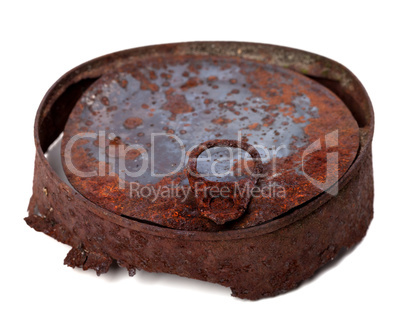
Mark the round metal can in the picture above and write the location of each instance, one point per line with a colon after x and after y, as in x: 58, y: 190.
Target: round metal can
x: 295, y: 127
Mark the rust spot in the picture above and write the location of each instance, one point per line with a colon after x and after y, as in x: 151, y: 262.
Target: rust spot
x: 123, y: 83
x: 116, y: 141
x: 146, y: 84
x: 191, y: 82
x: 254, y: 126
x: 105, y: 101
x: 132, y: 123
x: 111, y: 108
x: 177, y: 104
x: 152, y: 75
x: 166, y: 76
x: 221, y: 121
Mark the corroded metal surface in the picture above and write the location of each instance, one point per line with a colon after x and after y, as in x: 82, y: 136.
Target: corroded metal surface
x: 237, y: 194
x: 187, y: 100
x: 254, y: 262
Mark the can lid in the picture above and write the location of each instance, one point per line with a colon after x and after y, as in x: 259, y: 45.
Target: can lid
x: 206, y: 142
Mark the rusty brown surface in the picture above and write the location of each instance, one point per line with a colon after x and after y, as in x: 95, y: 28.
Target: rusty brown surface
x: 232, y: 197
x: 255, y: 262
x: 200, y: 98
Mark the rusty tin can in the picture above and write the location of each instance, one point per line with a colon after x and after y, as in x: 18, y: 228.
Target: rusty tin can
x: 142, y: 129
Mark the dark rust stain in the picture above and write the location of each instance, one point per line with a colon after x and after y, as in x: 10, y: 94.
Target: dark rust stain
x: 176, y: 104
x: 133, y: 122
x: 221, y: 121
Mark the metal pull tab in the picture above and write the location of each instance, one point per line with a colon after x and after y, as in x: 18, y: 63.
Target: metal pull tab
x: 223, y: 201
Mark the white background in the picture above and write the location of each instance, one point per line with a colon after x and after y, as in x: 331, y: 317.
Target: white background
x: 40, y: 41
